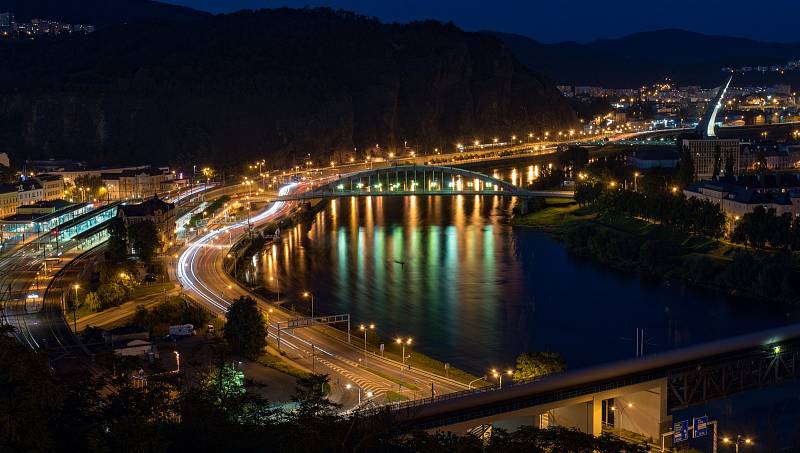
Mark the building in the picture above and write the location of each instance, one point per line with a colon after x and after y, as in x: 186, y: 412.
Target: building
x: 137, y: 184
x: 29, y: 192
x: 6, y: 21
x: 9, y: 201
x: 52, y: 186
x: 654, y: 158
x: 161, y: 213
x: 737, y: 200
x: 703, y: 151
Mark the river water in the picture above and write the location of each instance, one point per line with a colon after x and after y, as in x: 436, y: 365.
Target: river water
x: 475, y: 292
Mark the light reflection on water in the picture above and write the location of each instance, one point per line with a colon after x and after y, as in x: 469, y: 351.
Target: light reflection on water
x: 475, y: 292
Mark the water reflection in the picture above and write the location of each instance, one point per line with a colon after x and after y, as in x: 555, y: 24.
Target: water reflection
x: 475, y: 292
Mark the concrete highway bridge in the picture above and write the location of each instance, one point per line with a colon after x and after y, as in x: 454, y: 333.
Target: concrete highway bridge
x: 403, y: 180
x: 635, y: 395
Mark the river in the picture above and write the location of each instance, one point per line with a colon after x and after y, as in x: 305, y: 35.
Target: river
x: 475, y: 292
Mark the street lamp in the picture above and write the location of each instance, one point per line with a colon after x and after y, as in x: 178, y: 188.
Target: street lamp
x: 738, y: 441
x: 75, y: 308
x: 368, y: 394
x: 499, y: 375
x: 307, y: 294
x: 277, y: 288
x: 405, y: 342
x: 366, y: 329
x: 619, y: 424
x: 469, y: 386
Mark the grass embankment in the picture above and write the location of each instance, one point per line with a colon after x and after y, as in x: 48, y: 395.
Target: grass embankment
x: 279, y: 363
x: 632, y: 244
x: 155, y: 289
x: 556, y: 213
x: 562, y: 216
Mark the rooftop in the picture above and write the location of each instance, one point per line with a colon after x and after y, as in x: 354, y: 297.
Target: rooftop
x: 147, y: 207
x: 745, y: 195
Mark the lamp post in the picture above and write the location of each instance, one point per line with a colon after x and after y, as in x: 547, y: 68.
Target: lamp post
x: 277, y: 288
x: 307, y: 294
x: 475, y: 380
x: 368, y: 394
x: 178, y: 361
x: 75, y: 308
x: 499, y: 376
x: 366, y: 329
x: 234, y: 265
x: 621, y: 410
x: 403, y: 342
x: 738, y: 441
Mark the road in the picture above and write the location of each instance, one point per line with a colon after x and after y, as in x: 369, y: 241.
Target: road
x: 200, y: 270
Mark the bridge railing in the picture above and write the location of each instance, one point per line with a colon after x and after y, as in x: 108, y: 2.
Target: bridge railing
x: 396, y: 407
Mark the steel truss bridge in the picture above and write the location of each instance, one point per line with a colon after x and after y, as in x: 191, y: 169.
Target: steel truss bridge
x: 692, y: 375
x: 403, y: 180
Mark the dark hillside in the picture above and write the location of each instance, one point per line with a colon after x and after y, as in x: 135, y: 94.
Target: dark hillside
x: 280, y: 82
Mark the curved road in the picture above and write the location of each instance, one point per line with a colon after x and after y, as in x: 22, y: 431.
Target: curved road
x: 200, y: 271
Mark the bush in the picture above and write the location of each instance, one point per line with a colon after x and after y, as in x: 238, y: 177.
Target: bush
x: 174, y: 311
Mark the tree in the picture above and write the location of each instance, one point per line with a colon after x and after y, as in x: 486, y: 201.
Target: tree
x: 92, y: 300
x: 246, y: 329
x: 117, y: 248
x: 686, y: 168
x: 111, y: 294
x: 536, y: 364
x: 761, y: 161
x: 729, y: 164
x: 574, y: 158
x: 29, y: 399
x: 144, y: 240
x: 717, y: 157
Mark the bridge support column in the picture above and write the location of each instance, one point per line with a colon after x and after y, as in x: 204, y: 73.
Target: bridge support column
x: 528, y: 205
x: 597, y: 416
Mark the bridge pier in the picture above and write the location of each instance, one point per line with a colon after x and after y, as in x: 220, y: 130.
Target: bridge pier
x: 526, y: 205
x: 639, y: 409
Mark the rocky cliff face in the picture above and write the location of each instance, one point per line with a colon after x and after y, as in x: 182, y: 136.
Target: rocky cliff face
x: 277, y: 84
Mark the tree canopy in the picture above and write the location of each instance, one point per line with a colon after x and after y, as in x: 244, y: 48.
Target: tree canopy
x: 144, y: 239
x: 246, y: 329
x: 536, y: 364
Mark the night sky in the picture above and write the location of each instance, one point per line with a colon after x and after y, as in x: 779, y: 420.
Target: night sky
x: 567, y: 20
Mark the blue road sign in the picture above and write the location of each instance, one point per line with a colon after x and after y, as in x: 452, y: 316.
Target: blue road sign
x: 700, y: 425
x: 680, y: 431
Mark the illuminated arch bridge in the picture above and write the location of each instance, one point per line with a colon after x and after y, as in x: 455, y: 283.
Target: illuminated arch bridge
x: 406, y: 180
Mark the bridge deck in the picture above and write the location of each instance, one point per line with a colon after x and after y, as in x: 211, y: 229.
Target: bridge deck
x: 695, y: 374
x: 342, y: 194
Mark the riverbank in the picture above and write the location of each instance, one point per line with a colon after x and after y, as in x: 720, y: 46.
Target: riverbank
x: 633, y: 245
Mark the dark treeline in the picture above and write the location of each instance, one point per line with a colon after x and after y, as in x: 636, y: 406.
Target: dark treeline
x: 668, y: 208
x: 763, y: 227
x: 272, y: 84
x: 758, y: 275
x: 105, y: 412
x: 764, y: 277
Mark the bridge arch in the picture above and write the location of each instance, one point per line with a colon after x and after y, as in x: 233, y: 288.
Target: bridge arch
x: 417, y: 179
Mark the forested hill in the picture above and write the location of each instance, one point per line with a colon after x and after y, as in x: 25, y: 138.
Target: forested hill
x: 100, y: 13
x: 643, y: 58
x: 277, y: 83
